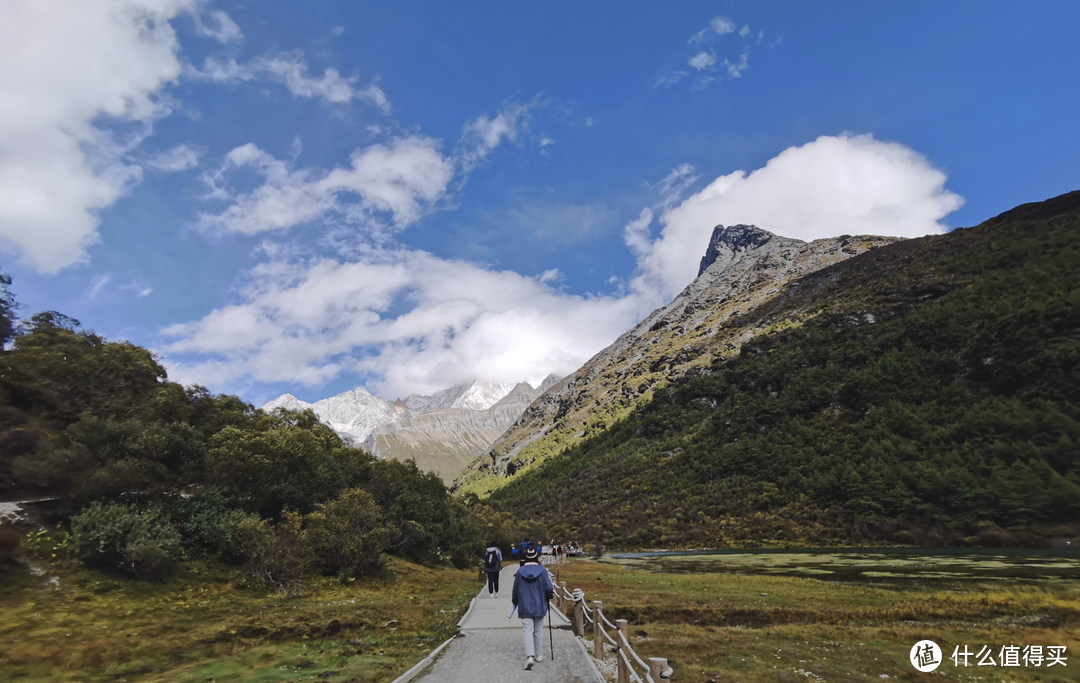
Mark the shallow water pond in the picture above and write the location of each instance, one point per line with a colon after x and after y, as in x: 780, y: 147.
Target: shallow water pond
x: 891, y: 565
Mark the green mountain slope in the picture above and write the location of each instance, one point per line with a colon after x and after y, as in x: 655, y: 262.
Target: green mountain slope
x: 925, y: 391
x: 744, y: 268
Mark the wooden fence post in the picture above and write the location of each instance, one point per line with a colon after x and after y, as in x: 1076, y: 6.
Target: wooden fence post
x: 579, y: 618
x: 598, y: 630
x: 657, y: 667
x: 562, y: 597
x: 622, y: 637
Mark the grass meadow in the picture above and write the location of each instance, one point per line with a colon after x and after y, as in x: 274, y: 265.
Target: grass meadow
x: 746, y: 628
x: 205, y: 623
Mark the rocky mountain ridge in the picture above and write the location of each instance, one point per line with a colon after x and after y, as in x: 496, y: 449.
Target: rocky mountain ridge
x: 743, y: 267
x: 446, y: 440
x: 442, y: 432
x: 923, y: 393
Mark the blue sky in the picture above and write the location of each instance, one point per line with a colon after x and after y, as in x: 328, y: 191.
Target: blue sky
x: 309, y: 197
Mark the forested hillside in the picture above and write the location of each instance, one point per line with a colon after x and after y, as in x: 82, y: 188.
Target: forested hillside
x: 927, y: 391
x: 147, y: 472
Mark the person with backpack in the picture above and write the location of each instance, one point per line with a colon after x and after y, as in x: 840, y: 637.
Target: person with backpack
x: 492, y: 566
x: 525, y: 545
x: 532, y: 592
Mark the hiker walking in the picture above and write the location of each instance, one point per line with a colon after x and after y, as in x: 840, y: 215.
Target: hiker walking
x: 532, y: 591
x: 492, y: 566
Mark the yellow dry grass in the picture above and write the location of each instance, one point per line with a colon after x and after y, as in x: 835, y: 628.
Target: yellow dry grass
x: 204, y: 624
x: 749, y: 629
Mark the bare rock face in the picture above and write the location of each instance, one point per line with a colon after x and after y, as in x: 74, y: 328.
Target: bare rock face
x: 743, y: 268
x: 446, y: 440
x: 443, y: 432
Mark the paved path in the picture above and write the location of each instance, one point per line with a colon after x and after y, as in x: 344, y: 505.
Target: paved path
x: 490, y: 648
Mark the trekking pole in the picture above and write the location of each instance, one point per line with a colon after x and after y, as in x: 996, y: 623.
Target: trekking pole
x: 551, y: 634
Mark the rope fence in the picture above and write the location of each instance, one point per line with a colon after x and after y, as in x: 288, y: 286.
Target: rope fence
x: 568, y: 602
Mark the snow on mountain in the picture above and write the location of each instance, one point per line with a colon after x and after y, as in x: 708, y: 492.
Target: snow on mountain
x: 472, y: 396
x: 481, y: 395
x: 288, y: 402
x: 356, y: 413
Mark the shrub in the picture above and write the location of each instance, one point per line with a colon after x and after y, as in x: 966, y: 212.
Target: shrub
x: 277, y: 555
x: 137, y: 541
x: 205, y: 524
x: 349, y: 534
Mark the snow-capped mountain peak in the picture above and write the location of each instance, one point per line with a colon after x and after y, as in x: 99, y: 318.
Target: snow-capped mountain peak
x: 288, y: 402
x: 356, y: 413
x: 481, y: 395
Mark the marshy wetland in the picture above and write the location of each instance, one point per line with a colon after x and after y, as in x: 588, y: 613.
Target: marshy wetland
x: 840, y: 615
x: 899, y: 566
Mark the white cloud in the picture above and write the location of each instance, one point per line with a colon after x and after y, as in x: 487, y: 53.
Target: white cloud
x: 482, y: 135
x: 290, y: 69
x: 703, y: 82
x: 70, y: 66
x: 545, y: 141
x: 636, y: 232
x: 337, y: 30
x: 179, y: 158
x: 141, y: 289
x: 745, y: 31
x: 849, y: 184
x: 722, y: 25
x: 97, y: 282
x: 718, y: 25
x: 403, y: 179
x: 671, y: 78
x: 220, y: 27
x: 736, y: 70
x: 308, y: 322
x: 702, y: 60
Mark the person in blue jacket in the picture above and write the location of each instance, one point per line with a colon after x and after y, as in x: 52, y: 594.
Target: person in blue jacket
x: 532, y: 592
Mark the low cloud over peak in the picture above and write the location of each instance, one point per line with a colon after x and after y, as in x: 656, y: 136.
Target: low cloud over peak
x: 415, y: 322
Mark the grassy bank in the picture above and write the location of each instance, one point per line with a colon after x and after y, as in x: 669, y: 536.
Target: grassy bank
x: 204, y: 623
x: 747, y: 628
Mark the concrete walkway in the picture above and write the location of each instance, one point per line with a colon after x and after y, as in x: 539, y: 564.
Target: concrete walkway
x: 491, y: 649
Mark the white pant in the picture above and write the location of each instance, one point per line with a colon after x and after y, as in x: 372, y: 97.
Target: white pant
x: 533, y: 632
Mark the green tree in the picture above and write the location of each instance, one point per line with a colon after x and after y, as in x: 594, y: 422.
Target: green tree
x: 59, y: 371
x: 348, y: 534
x: 277, y: 555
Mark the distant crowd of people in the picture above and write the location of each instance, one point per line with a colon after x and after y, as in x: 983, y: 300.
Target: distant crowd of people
x: 550, y: 553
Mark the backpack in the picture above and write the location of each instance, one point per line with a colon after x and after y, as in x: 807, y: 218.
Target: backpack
x: 491, y: 560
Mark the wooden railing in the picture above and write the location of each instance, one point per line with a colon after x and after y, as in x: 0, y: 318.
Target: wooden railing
x: 573, y: 603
